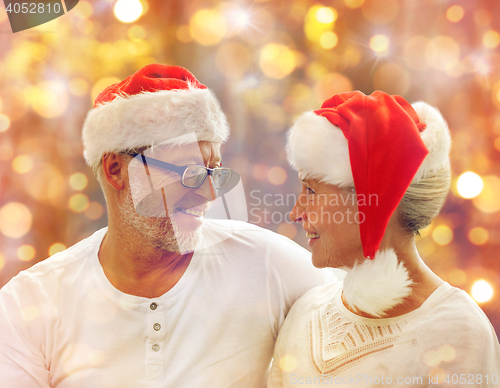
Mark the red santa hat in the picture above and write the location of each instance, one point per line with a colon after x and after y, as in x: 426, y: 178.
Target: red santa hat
x: 157, y: 104
x: 379, y: 144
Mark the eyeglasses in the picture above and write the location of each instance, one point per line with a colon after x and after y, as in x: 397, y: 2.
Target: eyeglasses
x: 193, y: 175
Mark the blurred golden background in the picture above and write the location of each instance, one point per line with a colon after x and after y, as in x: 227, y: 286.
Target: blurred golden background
x: 267, y: 61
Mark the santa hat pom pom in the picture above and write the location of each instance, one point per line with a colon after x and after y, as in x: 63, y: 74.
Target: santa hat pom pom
x: 375, y: 286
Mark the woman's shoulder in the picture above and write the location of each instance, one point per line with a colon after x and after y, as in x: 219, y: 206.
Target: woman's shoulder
x: 449, y: 303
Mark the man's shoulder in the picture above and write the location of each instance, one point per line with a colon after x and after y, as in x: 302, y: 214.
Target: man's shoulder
x: 59, y: 263
x: 318, y: 296
x: 244, y: 231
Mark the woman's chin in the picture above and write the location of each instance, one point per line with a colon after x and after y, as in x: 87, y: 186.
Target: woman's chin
x: 319, y: 261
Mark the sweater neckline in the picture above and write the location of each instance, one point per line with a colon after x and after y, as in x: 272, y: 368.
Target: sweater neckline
x: 428, y: 304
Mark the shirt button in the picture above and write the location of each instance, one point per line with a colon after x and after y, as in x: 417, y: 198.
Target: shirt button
x: 153, y: 306
x: 157, y: 326
x: 156, y: 347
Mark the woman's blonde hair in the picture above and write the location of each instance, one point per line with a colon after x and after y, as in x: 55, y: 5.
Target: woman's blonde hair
x: 423, y: 201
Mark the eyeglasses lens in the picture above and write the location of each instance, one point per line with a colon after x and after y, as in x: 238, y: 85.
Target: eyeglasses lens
x: 221, y: 177
x: 194, y: 176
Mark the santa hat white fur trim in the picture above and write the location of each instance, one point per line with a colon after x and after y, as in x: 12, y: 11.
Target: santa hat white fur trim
x: 375, y: 286
x: 151, y: 118
x: 436, y: 137
x: 319, y: 149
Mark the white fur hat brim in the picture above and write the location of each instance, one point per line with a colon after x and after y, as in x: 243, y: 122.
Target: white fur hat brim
x: 150, y: 118
x: 319, y: 150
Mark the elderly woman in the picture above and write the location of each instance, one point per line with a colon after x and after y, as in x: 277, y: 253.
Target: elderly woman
x: 374, y: 171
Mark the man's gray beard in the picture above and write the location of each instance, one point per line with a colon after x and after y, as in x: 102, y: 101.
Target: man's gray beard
x: 159, y: 232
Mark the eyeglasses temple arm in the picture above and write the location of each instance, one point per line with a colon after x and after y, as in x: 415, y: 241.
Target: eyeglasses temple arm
x: 164, y: 165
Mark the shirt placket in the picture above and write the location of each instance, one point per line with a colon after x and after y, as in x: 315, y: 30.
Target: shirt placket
x: 155, y: 346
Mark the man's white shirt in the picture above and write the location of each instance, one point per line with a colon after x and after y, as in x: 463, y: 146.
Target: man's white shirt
x: 62, y: 323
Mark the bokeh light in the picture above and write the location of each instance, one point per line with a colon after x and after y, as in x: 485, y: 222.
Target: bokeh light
x: 22, y: 164
x: 78, y: 203
x: 259, y: 172
x: 442, y: 52
x: 26, y: 253
x: 491, y: 39
x: 94, y: 211
x: 488, y: 201
x: 238, y: 19
x: 277, y: 175
x: 469, y: 185
x: 78, y: 87
x: 496, y: 97
x: 455, y: 13
x: 46, y: 183
x: 482, y: 291
x: 4, y: 123
x: 128, y: 11
x: 353, y: 3
x: 84, y: 10
x: 478, y: 236
x: 442, y: 235
x: 137, y: 33
x: 15, y: 220
x: 288, y: 363
x: 379, y: 44
x: 49, y: 99
x: 326, y: 15
x: 457, y: 277
x: 276, y: 60
x: 208, y: 27
x: 328, y: 40
x: 78, y: 181
x: 447, y: 353
x: 319, y: 20
x: 55, y: 248
x: 30, y: 312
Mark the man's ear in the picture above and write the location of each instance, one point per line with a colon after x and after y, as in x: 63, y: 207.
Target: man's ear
x: 114, y: 170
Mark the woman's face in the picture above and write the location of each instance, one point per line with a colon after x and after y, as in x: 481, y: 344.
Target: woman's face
x: 330, y: 218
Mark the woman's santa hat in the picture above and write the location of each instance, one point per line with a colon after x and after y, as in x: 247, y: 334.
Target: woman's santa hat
x: 379, y: 144
x: 159, y: 103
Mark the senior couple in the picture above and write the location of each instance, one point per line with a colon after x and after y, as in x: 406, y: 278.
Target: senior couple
x: 175, y: 294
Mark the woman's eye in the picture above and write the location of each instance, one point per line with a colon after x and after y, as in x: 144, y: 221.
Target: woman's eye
x: 310, y: 191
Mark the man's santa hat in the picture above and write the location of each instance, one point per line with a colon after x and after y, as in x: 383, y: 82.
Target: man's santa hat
x: 379, y: 144
x: 157, y: 104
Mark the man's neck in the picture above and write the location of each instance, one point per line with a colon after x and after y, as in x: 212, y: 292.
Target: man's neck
x: 147, y: 272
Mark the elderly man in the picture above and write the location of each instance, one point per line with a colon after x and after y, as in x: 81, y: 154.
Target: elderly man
x: 164, y: 296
